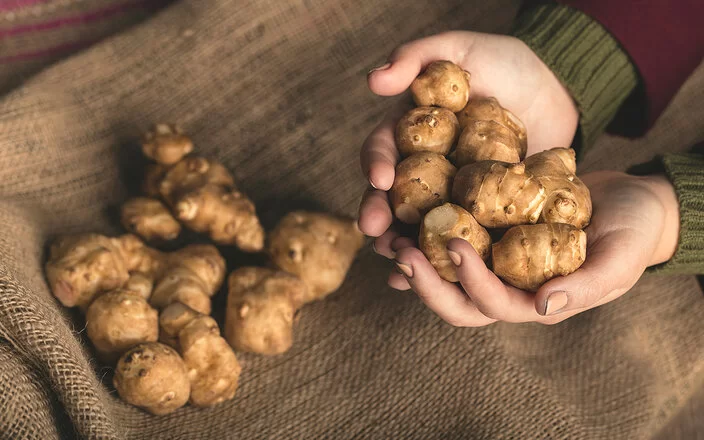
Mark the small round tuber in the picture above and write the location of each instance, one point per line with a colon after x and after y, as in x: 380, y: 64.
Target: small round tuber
x: 154, y: 377
x: 149, y: 219
x: 441, y: 225
x: 166, y: 144
x: 442, y: 84
x: 423, y: 181
x: 118, y: 320
x: 316, y: 247
x: 499, y: 194
x: 427, y: 129
x: 529, y: 255
x: 489, y: 109
x: 261, y: 307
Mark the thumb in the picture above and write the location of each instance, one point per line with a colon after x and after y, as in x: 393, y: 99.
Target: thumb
x: 407, y: 61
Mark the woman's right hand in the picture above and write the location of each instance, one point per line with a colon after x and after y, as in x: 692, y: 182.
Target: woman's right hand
x: 500, y: 66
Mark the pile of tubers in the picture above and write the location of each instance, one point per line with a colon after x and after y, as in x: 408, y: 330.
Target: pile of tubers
x: 464, y: 172
x: 148, y: 312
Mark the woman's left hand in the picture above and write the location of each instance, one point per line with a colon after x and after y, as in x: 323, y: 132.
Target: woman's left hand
x: 635, y: 224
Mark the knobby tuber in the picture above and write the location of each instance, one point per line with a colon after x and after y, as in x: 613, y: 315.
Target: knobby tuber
x: 166, y: 144
x: 529, y: 255
x: 262, y: 304
x: 427, y: 129
x: 441, y: 225
x: 442, y: 84
x: 150, y: 219
x: 422, y: 182
x: 154, y: 377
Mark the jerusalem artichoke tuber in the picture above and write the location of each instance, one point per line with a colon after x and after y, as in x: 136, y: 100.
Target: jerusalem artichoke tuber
x: 427, y: 129
x: 442, y: 84
x: 149, y: 219
x: 166, y: 144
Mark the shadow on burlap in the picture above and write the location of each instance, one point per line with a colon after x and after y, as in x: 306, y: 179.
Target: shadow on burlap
x: 276, y: 90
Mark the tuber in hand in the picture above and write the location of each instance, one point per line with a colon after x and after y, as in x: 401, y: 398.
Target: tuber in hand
x: 427, y: 129
x: 152, y: 376
x: 442, y: 84
x: 527, y: 256
x: 423, y: 181
x: 441, y: 225
x: 261, y: 307
x: 318, y: 248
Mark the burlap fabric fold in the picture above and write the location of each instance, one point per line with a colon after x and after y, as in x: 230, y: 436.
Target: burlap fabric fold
x: 276, y: 90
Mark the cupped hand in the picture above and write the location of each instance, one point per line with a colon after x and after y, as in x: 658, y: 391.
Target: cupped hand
x: 500, y: 66
x: 635, y: 224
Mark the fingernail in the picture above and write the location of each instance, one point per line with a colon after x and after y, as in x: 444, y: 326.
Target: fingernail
x: 405, y: 269
x: 555, y: 302
x: 455, y: 257
x: 372, y: 184
x: 384, y: 67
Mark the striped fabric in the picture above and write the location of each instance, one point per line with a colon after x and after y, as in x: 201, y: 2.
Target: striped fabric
x: 36, y: 33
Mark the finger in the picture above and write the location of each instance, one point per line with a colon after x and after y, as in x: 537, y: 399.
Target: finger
x: 379, y: 155
x: 382, y: 245
x: 491, y: 296
x: 609, y: 271
x: 442, y: 297
x: 374, y: 213
x: 401, y: 243
x: 407, y: 61
x: 398, y: 281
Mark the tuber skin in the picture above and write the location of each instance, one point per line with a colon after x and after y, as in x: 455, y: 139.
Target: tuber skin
x: 262, y: 305
x: 172, y: 320
x: 441, y: 225
x: 488, y: 140
x: 529, y: 255
x: 119, y: 320
x: 202, y: 195
x: 489, y: 109
x: 422, y: 182
x: 192, y: 275
x: 427, y: 129
x: 152, y: 376
x: 316, y: 247
x: 166, y: 144
x: 442, y: 84
x: 568, y: 198
x: 141, y: 284
x: 499, y: 194
x: 150, y: 219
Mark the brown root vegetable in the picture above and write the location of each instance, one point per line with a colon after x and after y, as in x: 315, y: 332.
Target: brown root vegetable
x: 427, y: 129
x: 212, y: 366
x: 119, y: 320
x: 442, y: 84
x: 568, y: 198
x: 499, y: 194
x: 192, y: 275
x: 150, y: 219
x: 261, y: 307
x: 529, y: 255
x: 141, y: 284
x: 316, y: 247
x: 202, y: 195
x: 423, y: 181
x: 166, y: 144
x: 489, y: 109
x: 488, y: 140
x: 172, y: 320
x: 441, y: 225
x: 152, y: 376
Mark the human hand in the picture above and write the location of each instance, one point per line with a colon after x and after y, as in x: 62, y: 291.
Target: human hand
x: 501, y: 66
x: 635, y: 224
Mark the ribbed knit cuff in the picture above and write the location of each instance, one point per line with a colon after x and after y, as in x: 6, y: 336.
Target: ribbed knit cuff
x: 686, y: 172
x: 585, y: 58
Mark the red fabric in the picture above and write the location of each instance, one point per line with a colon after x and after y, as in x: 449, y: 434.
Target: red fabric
x: 664, y: 38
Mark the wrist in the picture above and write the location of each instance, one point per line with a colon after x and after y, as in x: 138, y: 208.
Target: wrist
x: 664, y: 191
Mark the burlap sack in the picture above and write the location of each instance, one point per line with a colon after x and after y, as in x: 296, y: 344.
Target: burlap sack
x: 276, y: 90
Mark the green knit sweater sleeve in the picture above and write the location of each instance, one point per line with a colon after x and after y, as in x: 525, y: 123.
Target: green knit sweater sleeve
x: 586, y: 59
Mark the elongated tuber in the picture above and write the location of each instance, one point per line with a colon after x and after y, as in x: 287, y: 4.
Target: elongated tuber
x: 527, y: 256
x: 499, y: 194
x: 261, y: 306
x: 427, y: 129
x: 166, y: 144
x: 119, y: 320
x: 150, y: 219
x: 568, y: 198
x: 316, y: 247
x: 423, y: 181
x: 154, y: 377
x: 442, y: 84
x: 441, y: 225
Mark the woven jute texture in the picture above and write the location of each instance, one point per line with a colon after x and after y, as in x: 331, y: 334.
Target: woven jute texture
x: 276, y: 90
